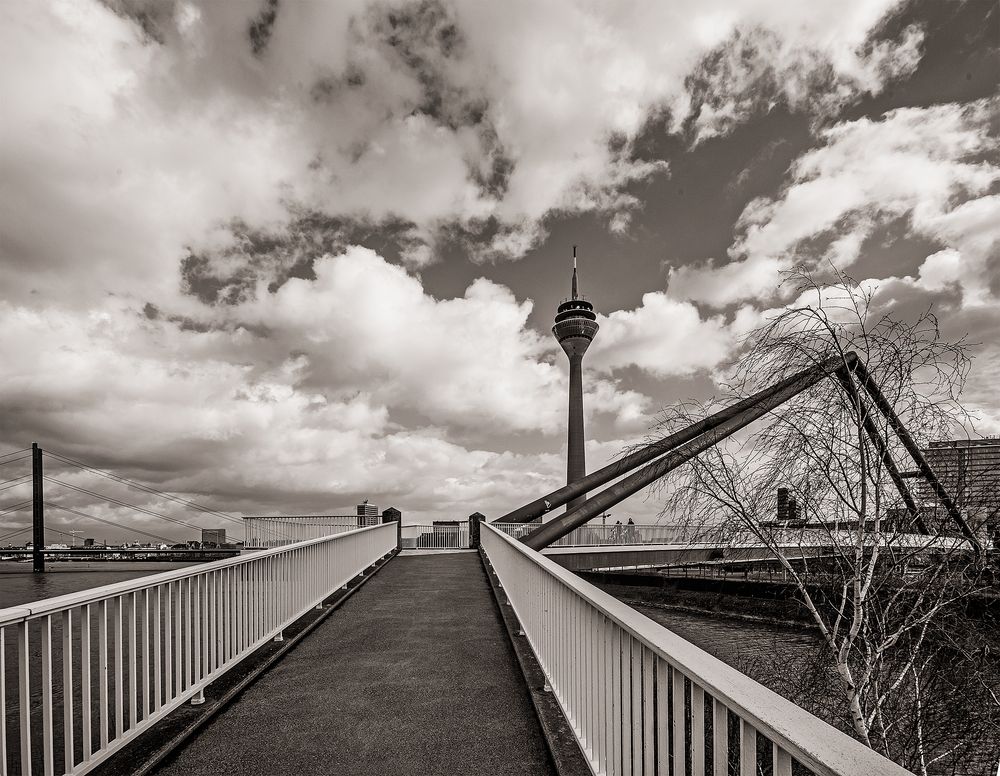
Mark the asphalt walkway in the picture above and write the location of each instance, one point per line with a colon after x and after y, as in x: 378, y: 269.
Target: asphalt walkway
x: 413, y: 675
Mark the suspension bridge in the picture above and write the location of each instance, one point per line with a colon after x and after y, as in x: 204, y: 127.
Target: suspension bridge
x: 491, y: 658
x: 58, y: 483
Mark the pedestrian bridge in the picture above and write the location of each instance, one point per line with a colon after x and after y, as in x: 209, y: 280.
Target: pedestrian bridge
x: 442, y: 662
x: 607, y: 548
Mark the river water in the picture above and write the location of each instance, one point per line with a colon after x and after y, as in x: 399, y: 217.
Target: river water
x: 19, y: 585
x: 781, y: 657
x: 736, y: 641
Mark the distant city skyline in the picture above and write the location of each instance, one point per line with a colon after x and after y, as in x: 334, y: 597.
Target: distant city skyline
x: 280, y: 263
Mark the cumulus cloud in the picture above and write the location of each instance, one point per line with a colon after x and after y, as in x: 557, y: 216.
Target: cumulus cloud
x: 466, y: 361
x: 185, y: 185
x: 934, y: 166
x: 761, y: 66
x: 663, y: 337
x: 940, y: 270
x: 139, y: 132
x: 354, y: 381
x: 360, y: 338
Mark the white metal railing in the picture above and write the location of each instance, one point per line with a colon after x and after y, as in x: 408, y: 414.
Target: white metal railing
x: 616, y: 535
x: 709, y: 536
x: 436, y: 537
x: 639, y: 697
x: 268, y: 532
x: 83, y: 674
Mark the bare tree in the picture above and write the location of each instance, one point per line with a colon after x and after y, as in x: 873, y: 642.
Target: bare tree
x: 881, y: 585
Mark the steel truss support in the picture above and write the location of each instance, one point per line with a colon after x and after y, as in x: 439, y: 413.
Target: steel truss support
x: 654, y: 450
x: 665, y: 455
x: 875, y: 436
x: 897, y: 426
x: 764, y: 402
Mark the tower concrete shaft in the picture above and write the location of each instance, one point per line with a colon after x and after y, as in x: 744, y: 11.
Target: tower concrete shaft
x: 575, y: 328
x: 576, y: 459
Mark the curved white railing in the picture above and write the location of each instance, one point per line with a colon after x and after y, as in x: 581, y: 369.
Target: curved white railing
x: 638, y: 696
x: 695, y: 536
x: 611, y: 535
x: 160, y: 640
x: 436, y: 537
x: 269, y: 532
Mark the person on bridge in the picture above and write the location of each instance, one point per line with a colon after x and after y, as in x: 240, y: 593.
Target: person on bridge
x: 631, y: 533
x: 616, y: 532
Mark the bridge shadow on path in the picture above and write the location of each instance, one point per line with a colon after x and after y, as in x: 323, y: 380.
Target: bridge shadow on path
x: 413, y: 675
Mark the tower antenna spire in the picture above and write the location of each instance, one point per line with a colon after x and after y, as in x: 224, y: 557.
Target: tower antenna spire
x: 575, y: 295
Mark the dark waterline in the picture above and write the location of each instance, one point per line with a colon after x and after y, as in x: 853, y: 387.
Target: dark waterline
x: 19, y: 585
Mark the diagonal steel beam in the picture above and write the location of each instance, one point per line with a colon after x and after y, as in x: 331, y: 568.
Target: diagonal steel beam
x: 847, y: 382
x: 649, y: 452
x: 883, y: 405
x: 765, y: 401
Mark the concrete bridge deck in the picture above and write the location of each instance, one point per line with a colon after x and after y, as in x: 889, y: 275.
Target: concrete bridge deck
x: 415, y: 674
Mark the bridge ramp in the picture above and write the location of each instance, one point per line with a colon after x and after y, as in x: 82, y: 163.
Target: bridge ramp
x: 413, y: 675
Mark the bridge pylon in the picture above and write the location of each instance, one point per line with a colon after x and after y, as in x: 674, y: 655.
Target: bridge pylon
x: 37, y: 511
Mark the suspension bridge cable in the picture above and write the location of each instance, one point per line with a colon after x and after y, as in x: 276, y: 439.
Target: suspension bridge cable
x: 151, y: 490
x: 22, y: 530
x: 56, y: 530
x: 141, y: 486
x: 129, y: 506
x: 16, y: 460
x: 15, y: 452
x: 154, y: 491
x: 121, y: 503
x: 108, y: 522
x: 24, y: 479
x: 14, y: 533
x: 20, y: 505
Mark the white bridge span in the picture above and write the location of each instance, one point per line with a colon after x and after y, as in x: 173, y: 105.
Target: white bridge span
x: 607, y: 548
x: 83, y: 675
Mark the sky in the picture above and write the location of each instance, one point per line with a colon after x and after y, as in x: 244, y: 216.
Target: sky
x: 279, y: 257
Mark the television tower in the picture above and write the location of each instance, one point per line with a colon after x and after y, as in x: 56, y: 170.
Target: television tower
x: 575, y: 328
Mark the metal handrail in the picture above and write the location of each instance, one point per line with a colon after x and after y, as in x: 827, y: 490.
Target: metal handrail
x: 438, y: 537
x: 270, y: 532
x: 612, y: 670
x: 614, y: 535
x: 811, y: 537
x: 161, y: 640
x: 95, y: 594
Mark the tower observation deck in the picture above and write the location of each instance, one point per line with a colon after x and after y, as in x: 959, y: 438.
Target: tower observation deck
x: 575, y: 328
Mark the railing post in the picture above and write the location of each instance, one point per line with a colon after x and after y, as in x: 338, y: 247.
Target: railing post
x: 641, y: 668
x: 474, y: 520
x: 193, y: 624
x: 393, y: 515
